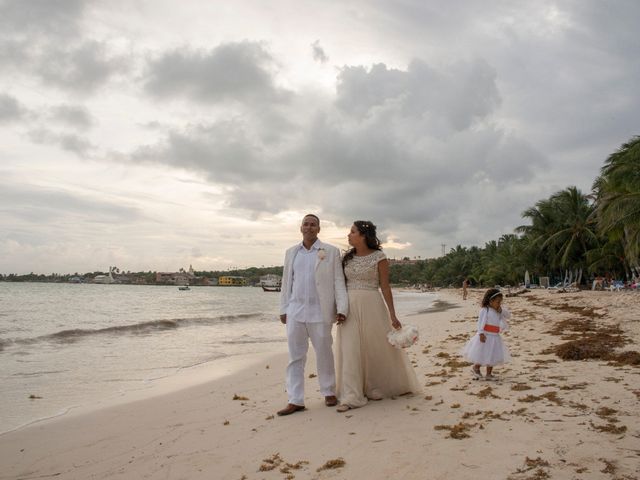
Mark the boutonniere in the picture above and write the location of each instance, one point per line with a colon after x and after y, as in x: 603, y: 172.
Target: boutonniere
x: 321, y: 253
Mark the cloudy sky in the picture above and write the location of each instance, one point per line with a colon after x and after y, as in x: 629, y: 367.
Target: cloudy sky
x: 154, y: 134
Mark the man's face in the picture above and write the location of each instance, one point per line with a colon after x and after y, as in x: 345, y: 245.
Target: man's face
x: 310, y: 228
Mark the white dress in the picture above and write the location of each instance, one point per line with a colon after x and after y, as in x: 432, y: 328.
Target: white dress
x: 493, y: 351
x: 367, y: 366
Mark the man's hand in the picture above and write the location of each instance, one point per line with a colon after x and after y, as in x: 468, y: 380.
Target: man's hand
x: 340, y: 318
x: 283, y: 318
x: 483, y: 338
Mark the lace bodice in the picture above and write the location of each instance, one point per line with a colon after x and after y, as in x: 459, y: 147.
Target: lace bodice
x: 362, y: 272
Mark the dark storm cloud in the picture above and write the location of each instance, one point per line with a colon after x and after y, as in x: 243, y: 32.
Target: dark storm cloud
x: 70, y: 142
x: 224, y: 152
x: 233, y: 71
x: 396, y: 144
x: 406, y: 147
x: 29, y: 28
x: 41, y: 17
x: 46, y: 38
x: 80, y: 69
x: 318, y: 52
x: 10, y: 109
x: 459, y: 93
x: 72, y: 115
x: 568, y: 70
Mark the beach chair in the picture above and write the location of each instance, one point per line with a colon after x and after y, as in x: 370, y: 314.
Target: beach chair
x: 616, y: 286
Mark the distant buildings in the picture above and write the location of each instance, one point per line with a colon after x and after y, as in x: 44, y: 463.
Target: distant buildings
x: 232, y: 281
x: 180, y: 278
x: 183, y: 277
x: 174, y: 278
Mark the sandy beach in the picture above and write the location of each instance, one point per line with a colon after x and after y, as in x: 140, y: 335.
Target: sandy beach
x: 544, y: 418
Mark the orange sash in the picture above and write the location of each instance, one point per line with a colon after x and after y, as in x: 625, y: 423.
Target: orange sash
x: 491, y: 328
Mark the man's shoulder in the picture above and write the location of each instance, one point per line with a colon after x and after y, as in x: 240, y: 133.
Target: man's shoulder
x: 293, y: 248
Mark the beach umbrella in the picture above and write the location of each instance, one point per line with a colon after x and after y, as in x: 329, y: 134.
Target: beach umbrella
x: 527, y: 280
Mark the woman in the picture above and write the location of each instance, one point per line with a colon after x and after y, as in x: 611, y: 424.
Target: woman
x: 367, y: 366
x: 465, y: 286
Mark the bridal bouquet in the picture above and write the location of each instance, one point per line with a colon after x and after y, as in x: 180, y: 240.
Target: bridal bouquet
x: 403, y: 338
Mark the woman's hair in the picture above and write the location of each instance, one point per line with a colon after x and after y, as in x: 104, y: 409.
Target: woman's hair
x: 368, y: 229
x: 489, y: 295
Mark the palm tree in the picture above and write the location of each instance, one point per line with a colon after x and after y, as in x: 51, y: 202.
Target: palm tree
x: 617, y: 193
x: 562, y: 231
x: 575, y: 232
x: 544, y: 217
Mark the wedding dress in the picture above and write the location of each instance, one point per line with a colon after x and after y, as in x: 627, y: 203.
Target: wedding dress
x: 367, y: 366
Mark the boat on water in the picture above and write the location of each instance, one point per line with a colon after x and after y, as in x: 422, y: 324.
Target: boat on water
x: 271, y: 283
x: 106, y: 279
x: 275, y: 288
x: 184, y: 287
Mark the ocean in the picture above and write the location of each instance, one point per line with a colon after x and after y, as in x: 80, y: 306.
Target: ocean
x: 71, y: 346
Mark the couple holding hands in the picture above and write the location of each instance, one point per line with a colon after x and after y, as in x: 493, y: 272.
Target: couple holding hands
x: 320, y: 288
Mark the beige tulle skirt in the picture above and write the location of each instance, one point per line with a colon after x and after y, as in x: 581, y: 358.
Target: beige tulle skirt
x: 367, y: 366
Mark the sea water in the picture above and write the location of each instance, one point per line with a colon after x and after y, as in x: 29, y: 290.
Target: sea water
x: 65, y: 346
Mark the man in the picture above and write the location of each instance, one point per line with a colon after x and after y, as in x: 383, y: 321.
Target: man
x: 313, y: 296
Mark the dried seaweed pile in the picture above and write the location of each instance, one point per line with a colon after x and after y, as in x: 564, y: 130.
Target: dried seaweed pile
x: 590, y: 341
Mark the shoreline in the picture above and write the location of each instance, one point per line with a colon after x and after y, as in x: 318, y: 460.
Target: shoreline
x: 545, y: 416
x: 186, y: 378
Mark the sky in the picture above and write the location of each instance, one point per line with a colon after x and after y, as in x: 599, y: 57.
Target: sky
x: 157, y: 134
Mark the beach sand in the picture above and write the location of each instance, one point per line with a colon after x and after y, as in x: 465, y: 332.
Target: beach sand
x: 545, y: 418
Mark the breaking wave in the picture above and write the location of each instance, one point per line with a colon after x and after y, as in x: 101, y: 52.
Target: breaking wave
x: 142, y: 328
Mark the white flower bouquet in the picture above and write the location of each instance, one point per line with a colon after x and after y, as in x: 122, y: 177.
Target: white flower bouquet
x: 403, y: 338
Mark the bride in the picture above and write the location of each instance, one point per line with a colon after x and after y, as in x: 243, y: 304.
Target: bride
x: 367, y: 366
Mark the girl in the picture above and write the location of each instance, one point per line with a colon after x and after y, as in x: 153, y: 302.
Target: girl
x: 486, y: 347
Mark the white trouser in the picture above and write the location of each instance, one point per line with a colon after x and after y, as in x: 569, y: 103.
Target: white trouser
x: 298, y: 335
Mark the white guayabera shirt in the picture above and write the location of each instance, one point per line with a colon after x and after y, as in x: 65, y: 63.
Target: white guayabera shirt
x: 304, y: 305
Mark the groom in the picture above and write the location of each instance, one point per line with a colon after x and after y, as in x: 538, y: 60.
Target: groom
x: 313, y: 297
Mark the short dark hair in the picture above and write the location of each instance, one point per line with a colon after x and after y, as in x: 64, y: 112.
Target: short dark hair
x: 312, y: 215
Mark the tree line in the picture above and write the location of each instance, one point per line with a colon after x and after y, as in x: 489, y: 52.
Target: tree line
x: 595, y: 232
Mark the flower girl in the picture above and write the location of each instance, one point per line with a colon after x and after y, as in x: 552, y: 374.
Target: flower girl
x: 486, y: 346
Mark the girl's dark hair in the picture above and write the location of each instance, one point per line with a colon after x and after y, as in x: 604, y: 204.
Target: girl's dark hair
x: 368, y: 229
x: 488, y: 294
